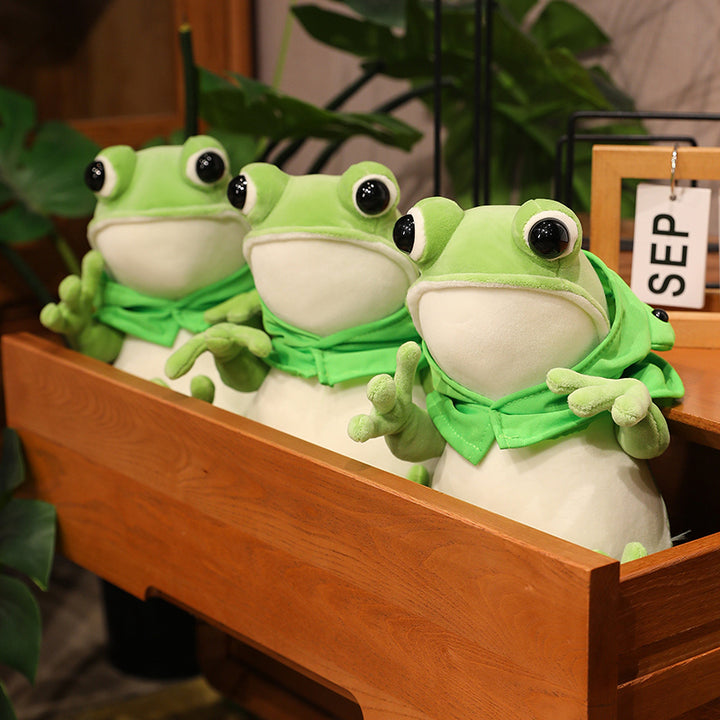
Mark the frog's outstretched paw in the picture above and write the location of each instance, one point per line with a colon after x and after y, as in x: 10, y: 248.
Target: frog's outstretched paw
x: 391, y: 399
x: 238, y: 309
x: 633, y: 551
x: 202, y: 388
x: 159, y: 381
x: 419, y: 474
x: 627, y: 399
x: 225, y: 341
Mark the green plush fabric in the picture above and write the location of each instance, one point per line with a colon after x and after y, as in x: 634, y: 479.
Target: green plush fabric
x: 158, y: 320
x: 470, y: 423
x: 353, y: 353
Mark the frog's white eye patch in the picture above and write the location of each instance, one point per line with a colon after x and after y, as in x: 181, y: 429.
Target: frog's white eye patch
x: 551, y: 234
x: 102, y: 178
x: 373, y: 195
x: 409, y: 234
x: 242, y: 193
x: 207, y: 167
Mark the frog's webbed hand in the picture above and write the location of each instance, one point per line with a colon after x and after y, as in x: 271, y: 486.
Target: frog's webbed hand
x: 238, y: 309
x: 641, y: 428
x: 408, y: 430
x: 237, y: 350
x: 73, y: 315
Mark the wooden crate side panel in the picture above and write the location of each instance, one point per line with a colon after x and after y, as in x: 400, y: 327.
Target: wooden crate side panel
x: 674, y: 692
x: 416, y: 604
x: 669, y: 610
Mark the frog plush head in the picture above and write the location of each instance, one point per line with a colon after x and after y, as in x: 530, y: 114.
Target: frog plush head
x: 504, y: 292
x: 320, y: 248
x: 162, y: 221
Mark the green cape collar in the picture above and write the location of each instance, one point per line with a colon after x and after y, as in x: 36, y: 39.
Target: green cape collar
x: 158, y: 320
x: 356, y: 352
x: 470, y: 423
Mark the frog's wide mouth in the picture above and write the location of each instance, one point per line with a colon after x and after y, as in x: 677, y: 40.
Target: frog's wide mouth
x: 336, y: 240
x: 213, y: 213
x: 554, y: 286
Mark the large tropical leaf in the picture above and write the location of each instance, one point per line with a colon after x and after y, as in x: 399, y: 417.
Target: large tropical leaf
x: 12, y: 464
x: 564, y: 25
x: 253, y: 108
x: 27, y: 538
x: 19, y: 627
x: 41, y: 170
x: 7, y: 712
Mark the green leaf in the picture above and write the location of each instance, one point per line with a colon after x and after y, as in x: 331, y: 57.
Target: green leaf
x: 7, y: 712
x: 19, y: 627
x: 12, y: 464
x: 253, y: 108
x: 27, y: 538
x: 363, y: 38
x: 241, y: 148
x: 19, y: 224
x: 518, y: 9
x: 17, y: 119
x: 56, y: 164
x: 563, y: 25
x: 390, y: 13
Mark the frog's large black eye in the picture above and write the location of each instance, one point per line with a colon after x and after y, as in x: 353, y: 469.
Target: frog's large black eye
x: 210, y: 167
x: 404, y: 233
x: 95, y: 175
x: 373, y: 196
x: 549, y: 238
x: 237, y: 191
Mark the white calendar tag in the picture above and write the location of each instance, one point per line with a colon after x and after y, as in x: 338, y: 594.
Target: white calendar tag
x: 670, y: 245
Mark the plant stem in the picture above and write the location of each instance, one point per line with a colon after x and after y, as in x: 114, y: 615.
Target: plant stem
x: 26, y: 273
x: 340, y: 99
x: 264, y: 146
x: 324, y: 157
x: 190, y: 76
x: 66, y: 253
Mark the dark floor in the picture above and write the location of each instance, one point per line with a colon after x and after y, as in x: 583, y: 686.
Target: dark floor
x: 75, y: 679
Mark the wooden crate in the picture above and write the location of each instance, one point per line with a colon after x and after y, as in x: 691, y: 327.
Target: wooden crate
x: 400, y: 601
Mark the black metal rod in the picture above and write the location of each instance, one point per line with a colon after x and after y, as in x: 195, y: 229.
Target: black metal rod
x: 477, y: 158
x: 437, y: 99
x: 334, y: 104
x: 487, y: 100
x: 600, y: 137
x: 617, y: 115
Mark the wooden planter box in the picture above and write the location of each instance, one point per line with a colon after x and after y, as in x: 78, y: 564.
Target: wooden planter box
x: 405, y: 602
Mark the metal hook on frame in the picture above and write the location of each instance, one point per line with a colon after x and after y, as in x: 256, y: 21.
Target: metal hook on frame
x: 673, y: 167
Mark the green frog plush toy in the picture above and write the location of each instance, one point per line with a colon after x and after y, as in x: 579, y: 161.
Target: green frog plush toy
x: 544, y: 378
x: 166, y: 247
x: 331, y: 287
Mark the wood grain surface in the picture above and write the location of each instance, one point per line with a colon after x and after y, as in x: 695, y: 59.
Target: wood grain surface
x: 410, y: 603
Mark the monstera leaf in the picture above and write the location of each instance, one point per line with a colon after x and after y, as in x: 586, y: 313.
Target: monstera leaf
x: 27, y: 547
x: 41, y: 171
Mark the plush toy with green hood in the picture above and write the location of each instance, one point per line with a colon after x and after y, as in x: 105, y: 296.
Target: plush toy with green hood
x: 331, y: 287
x: 166, y: 247
x: 546, y: 389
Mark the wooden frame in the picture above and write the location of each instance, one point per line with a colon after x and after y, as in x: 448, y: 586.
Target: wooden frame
x: 403, y: 601
x: 612, y: 163
x: 222, y: 41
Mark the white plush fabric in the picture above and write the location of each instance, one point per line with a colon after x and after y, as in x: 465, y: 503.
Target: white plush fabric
x: 147, y: 360
x: 319, y: 414
x: 497, y: 339
x: 170, y: 257
x: 582, y: 488
x: 323, y: 285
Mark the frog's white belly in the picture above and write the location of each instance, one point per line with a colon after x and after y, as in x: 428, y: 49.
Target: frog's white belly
x: 320, y: 414
x: 582, y: 488
x: 147, y: 360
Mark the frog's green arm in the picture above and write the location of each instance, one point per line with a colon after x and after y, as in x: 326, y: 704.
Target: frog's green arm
x: 640, y: 426
x: 238, y: 309
x: 237, y: 350
x: 73, y: 315
x: 408, y: 430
